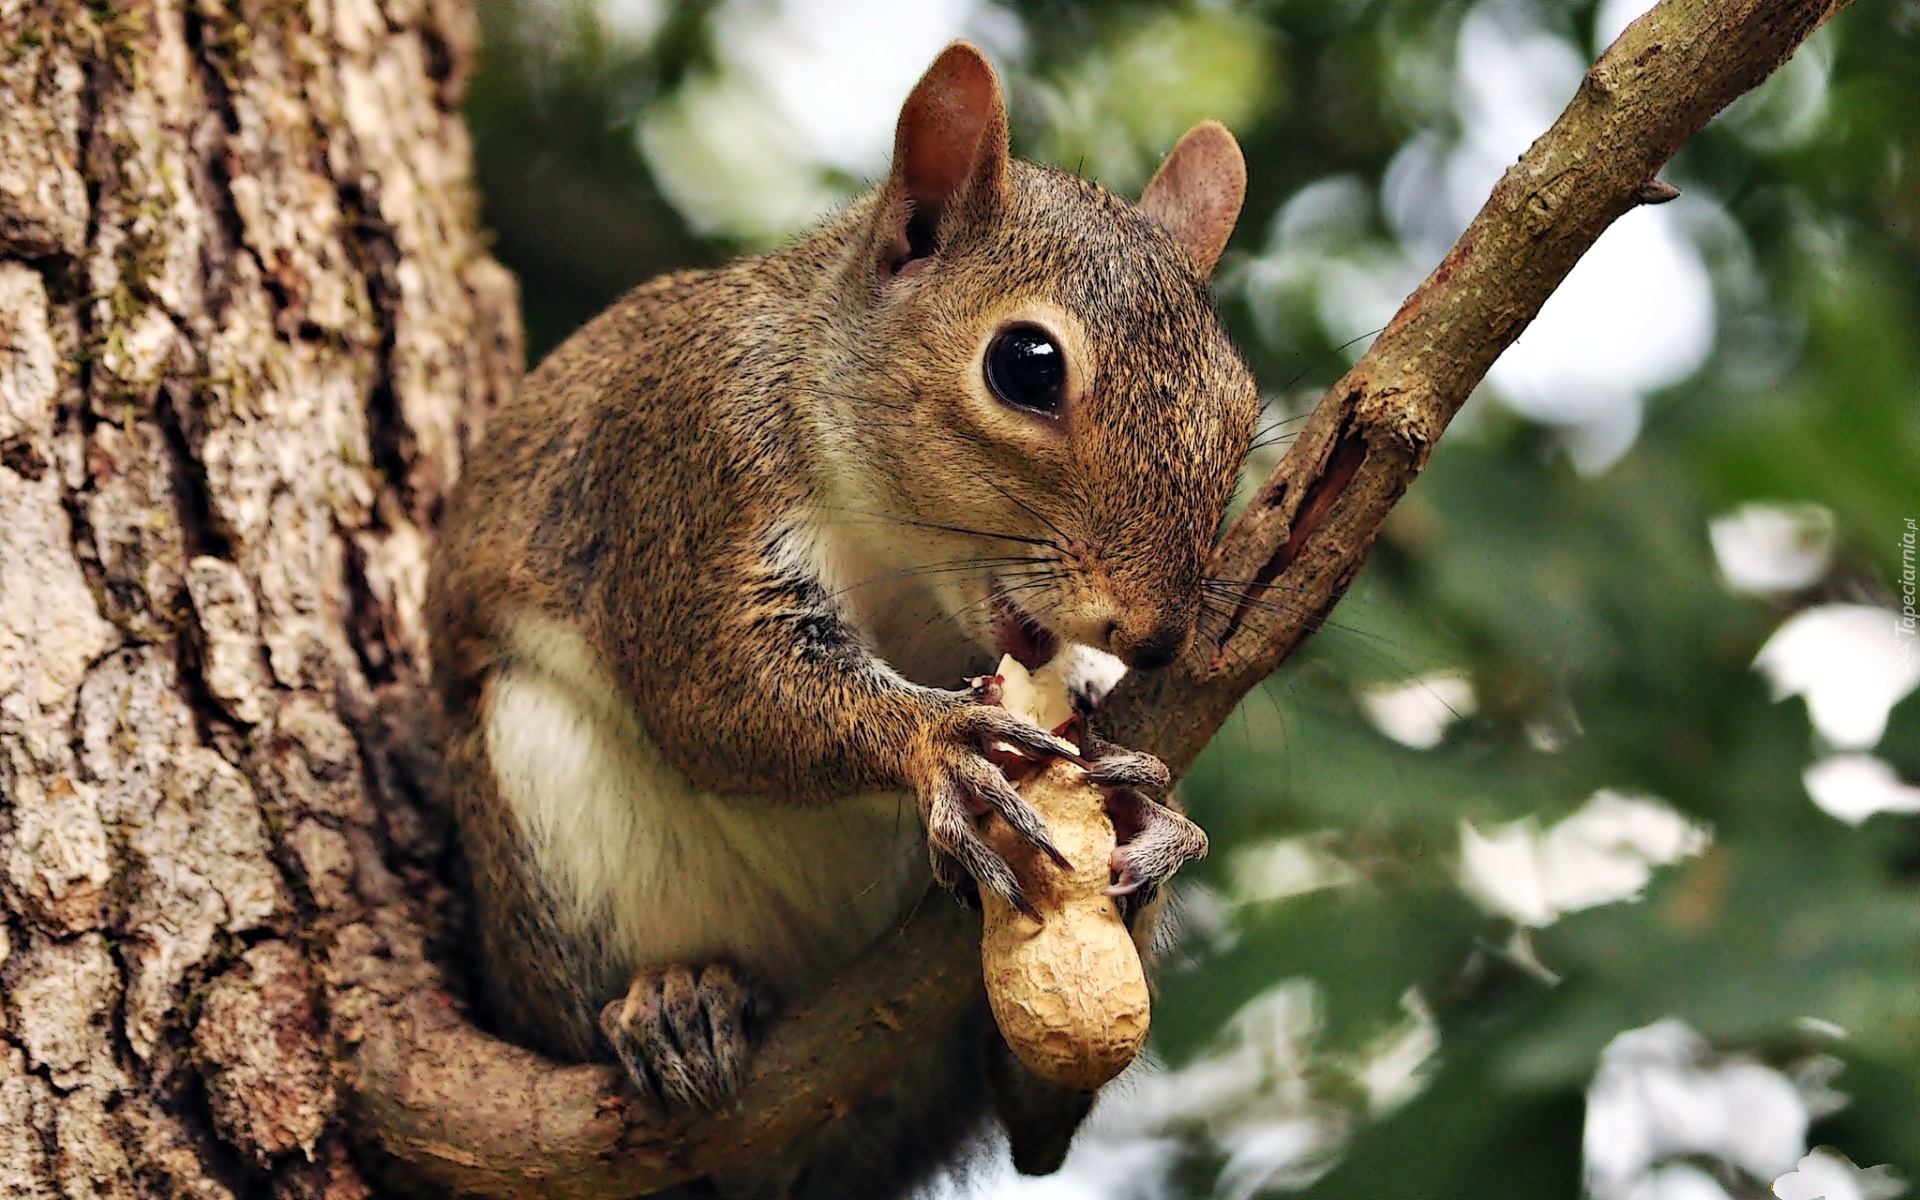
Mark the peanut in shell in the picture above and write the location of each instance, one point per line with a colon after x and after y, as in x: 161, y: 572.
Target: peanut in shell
x: 1067, y: 989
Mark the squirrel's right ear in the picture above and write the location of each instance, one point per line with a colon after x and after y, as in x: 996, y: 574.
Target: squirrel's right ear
x: 1197, y: 192
x: 950, y: 148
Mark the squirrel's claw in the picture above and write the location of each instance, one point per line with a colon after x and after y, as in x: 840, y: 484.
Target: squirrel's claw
x: 1155, y: 842
x: 988, y: 791
x: 962, y: 781
x: 682, y: 1033
x: 992, y: 725
x: 952, y: 839
x: 1128, y: 769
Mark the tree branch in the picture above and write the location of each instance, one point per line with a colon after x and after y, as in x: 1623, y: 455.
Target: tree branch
x: 1307, y: 531
x: 454, y: 1108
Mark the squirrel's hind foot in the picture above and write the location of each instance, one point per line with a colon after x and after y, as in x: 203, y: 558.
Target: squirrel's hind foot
x: 684, y: 1034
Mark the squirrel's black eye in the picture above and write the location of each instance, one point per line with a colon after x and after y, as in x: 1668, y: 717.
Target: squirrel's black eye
x: 1027, y: 370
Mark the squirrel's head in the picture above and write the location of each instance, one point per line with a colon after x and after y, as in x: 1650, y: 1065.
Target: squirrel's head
x: 1033, y: 384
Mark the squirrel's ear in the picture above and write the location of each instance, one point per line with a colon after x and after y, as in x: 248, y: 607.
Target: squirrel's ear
x: 1196, y: 193
x: 950, y: 146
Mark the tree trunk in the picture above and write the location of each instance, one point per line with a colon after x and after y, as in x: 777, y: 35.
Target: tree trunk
x: 246, y: 327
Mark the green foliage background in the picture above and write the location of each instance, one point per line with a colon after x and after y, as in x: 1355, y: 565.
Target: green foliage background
x: 1559, y: 594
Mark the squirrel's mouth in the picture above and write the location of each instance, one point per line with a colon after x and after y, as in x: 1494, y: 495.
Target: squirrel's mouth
x: 1031, y: 644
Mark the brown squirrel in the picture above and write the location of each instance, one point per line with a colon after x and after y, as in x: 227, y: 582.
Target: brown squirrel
x: 701, y: 594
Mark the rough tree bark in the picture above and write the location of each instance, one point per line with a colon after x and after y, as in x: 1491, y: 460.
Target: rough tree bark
x: 245, y: 327
x: 245, y: 331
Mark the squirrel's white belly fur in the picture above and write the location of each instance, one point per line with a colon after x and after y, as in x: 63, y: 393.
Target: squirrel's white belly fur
x: 671, y: 874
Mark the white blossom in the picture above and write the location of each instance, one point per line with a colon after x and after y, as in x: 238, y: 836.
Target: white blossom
x: 1763, y: 548
x: 1285, y: 867
x: 1844, y: 659
x: 1678, y: 1181
x: 1417, y: 714
x: 1603, y: 853
x: 1661, y: 1093
x: 1826, y: 1175
x: 1854, y: 787
x: 1395, y: 1067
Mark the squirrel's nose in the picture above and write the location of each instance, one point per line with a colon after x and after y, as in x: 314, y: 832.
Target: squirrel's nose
x: 1149, y: 646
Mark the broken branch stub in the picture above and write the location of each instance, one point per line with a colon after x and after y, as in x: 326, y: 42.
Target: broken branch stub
x: 472, y: 1115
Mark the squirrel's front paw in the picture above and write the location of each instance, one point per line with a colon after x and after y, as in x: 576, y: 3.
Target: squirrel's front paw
x: 959, y: 783
x: 683, y: 1035
x: 1154, y: 841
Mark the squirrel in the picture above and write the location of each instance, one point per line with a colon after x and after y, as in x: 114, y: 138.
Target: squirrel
x: 708, y: 590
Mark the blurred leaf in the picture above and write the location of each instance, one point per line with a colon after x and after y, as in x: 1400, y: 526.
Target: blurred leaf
x: 1114, y: 112
x: 1363, y: 946
x: 1468, y: 1135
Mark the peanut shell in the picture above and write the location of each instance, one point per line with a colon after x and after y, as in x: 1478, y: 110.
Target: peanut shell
x: 1068, y: 990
